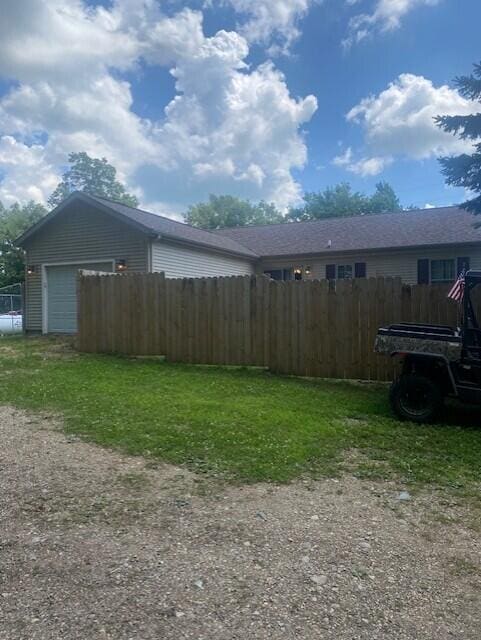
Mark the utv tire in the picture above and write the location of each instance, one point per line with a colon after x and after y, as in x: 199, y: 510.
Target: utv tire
x: 415, y: 398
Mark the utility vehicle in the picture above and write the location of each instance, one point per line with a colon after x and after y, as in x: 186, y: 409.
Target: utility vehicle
x: 437, y: 361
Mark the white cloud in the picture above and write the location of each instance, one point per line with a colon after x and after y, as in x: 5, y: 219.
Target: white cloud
x: 28, y: 173
x: 228, y: 129
x: 65, y: 90
x: 272, y: 19
x: 370, y: 166
x: 363, y: 167
x: 344, y: 159
x: 94, y: 116
x: 60, y: 40
x: 386, y: 16
x: 399, y: 123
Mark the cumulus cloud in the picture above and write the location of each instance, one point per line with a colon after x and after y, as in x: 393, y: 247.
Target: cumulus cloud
x: 386, y: 16
x: 399, y: 123
x: 229, y: 128
x: 60, y: 40
x: 236, y: 133
x: 28, y: 172
x: 276, y: 20
x: 369, y: 166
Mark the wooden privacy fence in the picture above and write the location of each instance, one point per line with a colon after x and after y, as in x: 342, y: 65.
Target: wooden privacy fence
x: 306, y: 328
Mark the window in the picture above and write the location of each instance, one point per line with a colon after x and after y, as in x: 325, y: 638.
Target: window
x: 442, y: 271
x: 344, y: 271
x: 279, y: 274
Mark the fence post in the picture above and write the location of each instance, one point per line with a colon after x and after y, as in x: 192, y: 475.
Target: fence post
x: 316, y: 328
x: 24, y: 307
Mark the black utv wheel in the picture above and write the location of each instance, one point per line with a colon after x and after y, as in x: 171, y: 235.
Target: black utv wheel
x: 415, y: 398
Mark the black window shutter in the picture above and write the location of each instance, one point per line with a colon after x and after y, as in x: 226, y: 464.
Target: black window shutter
x: 360, y: 270
x: 331, y: 271
x: 463, y: 263
x: 423, y: 271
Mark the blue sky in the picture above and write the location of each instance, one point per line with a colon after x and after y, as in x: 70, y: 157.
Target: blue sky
x: 259, y: 103
x: 438, y: 43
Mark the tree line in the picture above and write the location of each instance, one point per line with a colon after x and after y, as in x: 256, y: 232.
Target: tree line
x: 333, y: 202
x: 96, y: 176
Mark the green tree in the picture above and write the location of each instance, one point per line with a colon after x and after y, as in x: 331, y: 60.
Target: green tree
x: 13, y: 222
x: 93, y: 176
x: 333, y: 202
x: 384, y: 199
x: 465, y: 170
x: 228, y: 211
x: 341, y: 200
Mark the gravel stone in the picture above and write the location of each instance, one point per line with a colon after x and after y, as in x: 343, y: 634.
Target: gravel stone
x: 97, y: 545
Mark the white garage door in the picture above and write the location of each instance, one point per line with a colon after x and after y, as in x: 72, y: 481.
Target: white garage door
x: 62, y: 295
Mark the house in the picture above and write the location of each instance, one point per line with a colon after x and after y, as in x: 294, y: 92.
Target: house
x: 92, y: 233
x: 427, y: 246
x: 87, y: 232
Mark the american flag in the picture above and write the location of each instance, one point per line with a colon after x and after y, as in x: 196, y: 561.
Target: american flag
x: 457, y: 291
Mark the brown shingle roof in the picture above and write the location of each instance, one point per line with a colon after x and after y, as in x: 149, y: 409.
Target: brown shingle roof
x: 446, y: 225
x: 428, y: 227
x: 152, y: 224
x: 177, y: 230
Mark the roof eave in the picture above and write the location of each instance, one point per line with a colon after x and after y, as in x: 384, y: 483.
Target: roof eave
x: 204, y: 245
x: 327, y: 252
x: 154, y: 235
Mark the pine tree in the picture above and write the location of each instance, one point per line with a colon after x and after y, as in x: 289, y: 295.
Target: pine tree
x: 465, y: 170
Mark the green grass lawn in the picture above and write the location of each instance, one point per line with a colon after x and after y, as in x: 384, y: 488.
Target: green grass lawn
x: 243, y: 425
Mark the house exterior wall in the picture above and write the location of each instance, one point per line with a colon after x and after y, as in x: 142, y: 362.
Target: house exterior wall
x: 82, y: 234
x: 399, y: 263
x: 178, y: 261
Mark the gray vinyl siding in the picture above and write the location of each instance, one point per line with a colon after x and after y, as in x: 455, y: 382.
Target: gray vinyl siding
x: 178, y: 261
x: 82, y: 234
x: 402, y: 263
x: 33, y: 300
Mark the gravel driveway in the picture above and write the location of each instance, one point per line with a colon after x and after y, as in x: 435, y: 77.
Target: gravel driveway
x: 98, y: 545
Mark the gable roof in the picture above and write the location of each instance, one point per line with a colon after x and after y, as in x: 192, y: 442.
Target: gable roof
x: 427, y: 227
x: 168, y: 228
x: 149, y: 223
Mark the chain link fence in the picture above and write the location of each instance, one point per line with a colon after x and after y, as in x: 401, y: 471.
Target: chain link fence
x: 11, y: 312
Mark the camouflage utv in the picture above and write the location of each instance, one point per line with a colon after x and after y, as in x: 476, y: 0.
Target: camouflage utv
x: 437, y: 361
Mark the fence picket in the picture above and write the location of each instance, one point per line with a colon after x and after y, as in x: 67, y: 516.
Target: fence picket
x: 365, y: 348
x: 315, y: 328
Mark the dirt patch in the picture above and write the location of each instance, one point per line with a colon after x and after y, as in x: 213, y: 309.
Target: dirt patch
x: 98, y: 545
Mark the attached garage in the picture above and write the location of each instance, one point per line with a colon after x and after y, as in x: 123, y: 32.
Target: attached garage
x: 92, y: 233
x: 60, y: 294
